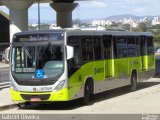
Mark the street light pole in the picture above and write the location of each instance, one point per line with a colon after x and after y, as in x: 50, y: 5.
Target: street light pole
x: 130, y: 17
x: 39, y: 21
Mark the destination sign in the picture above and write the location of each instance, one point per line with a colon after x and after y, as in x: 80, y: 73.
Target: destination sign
x: 39, y: 37
x: 34, y: 38
x: 25, y: 69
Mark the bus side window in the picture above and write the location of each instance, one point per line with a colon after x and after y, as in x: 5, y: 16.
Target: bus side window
x: 150, y: 46
x: 138, y: 47
x: 143, y: 45
x: 97, y: 48
x: 122, y: 47
x: 115, y: 47
x: 131, y: 46
x: 77, y: 60
x: 74, y: 41
x: 87, y: 49
x: 107, y: 49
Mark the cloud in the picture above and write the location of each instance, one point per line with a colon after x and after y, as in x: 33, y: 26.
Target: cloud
x: 138, y: 10
x: 94, y: 4
x: 99, y: 4
x: 131, y: 1
x: 44, y: 5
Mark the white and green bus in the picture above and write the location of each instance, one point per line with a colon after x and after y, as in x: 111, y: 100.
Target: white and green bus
x: 62, y: 65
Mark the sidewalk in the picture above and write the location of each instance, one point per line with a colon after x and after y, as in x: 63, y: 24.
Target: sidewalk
x: 3, y: 65
x: 4, y: 73
x: 5, y: 100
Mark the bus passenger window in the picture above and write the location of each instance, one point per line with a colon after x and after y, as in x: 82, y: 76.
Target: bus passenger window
x: 122, y: 47
x: 115, y: 47
x: 143, y: 46
x: 77, y: 60
x: 131, y: 46
x: 87, y: 49
x: 150, y: 46
x: 107, y: 47
x: 97, y: 48
x: 138, y: 48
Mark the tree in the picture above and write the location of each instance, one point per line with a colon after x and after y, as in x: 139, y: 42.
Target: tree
x: 156, y: 26
x: 114, y: 24
x: 126, y: 26
x: 142, y: 26
x: 77, y: 22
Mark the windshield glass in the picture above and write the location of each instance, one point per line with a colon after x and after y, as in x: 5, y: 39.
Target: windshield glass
x: 44, y: 61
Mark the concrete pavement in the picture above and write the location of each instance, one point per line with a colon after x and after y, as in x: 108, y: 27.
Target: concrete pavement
x: 119, y: 101
x: 3, y: 65
x: 4, y: 73
x: 143, y: 101
x: 5, y: 100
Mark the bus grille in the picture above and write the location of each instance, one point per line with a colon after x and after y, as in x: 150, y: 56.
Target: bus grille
x: 35, y: 82
x: 42, y: 97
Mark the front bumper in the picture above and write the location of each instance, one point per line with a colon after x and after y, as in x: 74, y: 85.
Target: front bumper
x: 61, y: 95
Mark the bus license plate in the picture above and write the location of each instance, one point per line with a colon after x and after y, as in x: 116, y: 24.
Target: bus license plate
x: 35, y: 99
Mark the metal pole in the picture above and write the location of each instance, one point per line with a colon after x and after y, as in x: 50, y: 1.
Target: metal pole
x: 130, y: 16
x: 130, y: 23
x: 39, y: 19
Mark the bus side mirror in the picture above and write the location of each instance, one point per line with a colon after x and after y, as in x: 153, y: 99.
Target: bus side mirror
x: 70, y: 52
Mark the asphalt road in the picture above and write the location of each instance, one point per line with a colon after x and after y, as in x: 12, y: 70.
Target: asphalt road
x: 119, y: 101
x: 4, y: 74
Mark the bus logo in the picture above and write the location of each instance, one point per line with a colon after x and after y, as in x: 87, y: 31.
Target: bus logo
x: 39, y: 73
x: 34, y: 89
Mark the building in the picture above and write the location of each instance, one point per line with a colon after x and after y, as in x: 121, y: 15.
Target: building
x: 4, y: 27
x: 133, y: 23
x: 155, y: 21
x: 98, y: 23
x: 4, y: 32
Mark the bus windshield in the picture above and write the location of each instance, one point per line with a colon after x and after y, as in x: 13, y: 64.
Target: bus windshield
x: 43, y: 61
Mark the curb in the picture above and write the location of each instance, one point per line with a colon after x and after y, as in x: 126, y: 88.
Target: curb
x: 11, y: 106
x: 4, y: 85
x: 6, y: 107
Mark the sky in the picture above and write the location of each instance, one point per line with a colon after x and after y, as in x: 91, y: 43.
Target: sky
x: 98, y: 9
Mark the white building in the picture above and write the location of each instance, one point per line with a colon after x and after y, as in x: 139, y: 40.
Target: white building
x: 156, y: 21
x: 98, y: 23
x: 108, y: 23
x: 34, y: 25
x: 54, y: 26
x: 131, y: 22
x: 143, y: 19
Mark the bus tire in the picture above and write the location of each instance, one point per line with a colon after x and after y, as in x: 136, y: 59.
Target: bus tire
x: 133, y: 86
x: 87, y: 91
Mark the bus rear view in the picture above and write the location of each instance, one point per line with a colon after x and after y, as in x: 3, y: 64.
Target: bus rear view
x: 38, y: 67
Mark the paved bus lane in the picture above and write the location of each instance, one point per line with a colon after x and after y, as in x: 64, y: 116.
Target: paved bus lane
x: 119, y: 101
x: 4, y: 72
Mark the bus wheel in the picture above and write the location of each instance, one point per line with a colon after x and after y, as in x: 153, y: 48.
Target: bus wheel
x: 133, y: 86
x: 87, y: 91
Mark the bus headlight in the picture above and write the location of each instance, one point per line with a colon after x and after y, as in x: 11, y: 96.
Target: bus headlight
x: 60, y: 85
x: 12, y: 86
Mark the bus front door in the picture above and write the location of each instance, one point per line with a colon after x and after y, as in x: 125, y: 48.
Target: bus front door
x: 144, y: 53
x: 107, y: 50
